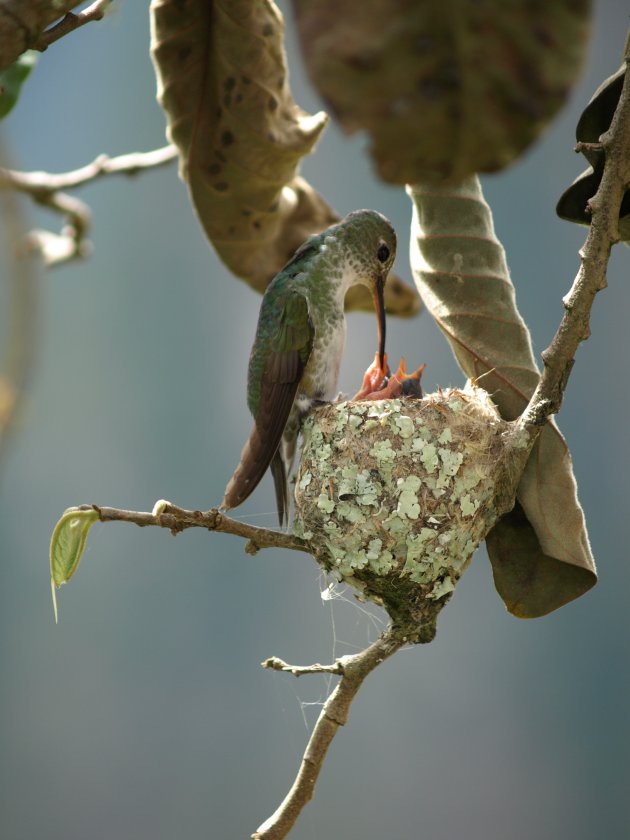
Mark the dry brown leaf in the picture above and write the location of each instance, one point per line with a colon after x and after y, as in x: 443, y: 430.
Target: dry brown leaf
x: 222, y: 80
x: 463, y: 279
x: 445, y: 89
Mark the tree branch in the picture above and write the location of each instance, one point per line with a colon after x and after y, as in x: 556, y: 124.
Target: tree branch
x: 70, y: 22
x: 574, y: 327
x: 22, y: 22
x: 47, y: 189
x: 353, y: 669
x: 40, y: 184
x: 176, y: 519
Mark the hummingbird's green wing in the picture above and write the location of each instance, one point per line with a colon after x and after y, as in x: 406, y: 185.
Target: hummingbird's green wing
x: 286, y: 355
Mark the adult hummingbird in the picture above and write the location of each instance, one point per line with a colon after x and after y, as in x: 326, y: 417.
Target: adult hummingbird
x: 299, y: 343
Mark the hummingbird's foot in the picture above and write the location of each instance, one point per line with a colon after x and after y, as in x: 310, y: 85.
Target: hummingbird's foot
x: 374, y: 378
x: 401, y: 384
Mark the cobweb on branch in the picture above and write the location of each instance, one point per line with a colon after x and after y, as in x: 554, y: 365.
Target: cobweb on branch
x: 368, y: 624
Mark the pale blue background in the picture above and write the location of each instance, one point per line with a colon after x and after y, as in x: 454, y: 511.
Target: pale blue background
x: 145, y: 714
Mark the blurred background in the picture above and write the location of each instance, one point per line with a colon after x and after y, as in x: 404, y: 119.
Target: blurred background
x: 145, y: 713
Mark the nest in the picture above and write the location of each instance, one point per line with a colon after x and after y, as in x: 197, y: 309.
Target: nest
x: 394, y: 496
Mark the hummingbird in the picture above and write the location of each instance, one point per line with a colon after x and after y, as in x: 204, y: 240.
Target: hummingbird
x: 299, y: 343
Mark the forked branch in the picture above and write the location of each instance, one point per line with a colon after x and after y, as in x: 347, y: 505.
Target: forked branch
x: 353, y: 669
x: 50, y: 190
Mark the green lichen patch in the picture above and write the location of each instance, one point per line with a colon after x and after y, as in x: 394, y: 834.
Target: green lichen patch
x: 397, y: 494
x: 405, y: 425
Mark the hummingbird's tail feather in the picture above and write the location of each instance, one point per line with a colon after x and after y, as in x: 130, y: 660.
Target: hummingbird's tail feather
x: 262, y: 444
x: 252, y: 466
x: 279, y: 473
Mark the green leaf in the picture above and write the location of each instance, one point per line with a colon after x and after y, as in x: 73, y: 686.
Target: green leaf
x: 67, y: 544
x: 12, y: 78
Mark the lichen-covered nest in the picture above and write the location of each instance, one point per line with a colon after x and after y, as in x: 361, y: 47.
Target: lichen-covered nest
x: 395, y: 495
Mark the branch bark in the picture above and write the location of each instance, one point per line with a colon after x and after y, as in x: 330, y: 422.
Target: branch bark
x: 603, y: 233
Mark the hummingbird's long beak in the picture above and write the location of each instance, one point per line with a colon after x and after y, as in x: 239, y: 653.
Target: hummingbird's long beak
x: 379, y: 304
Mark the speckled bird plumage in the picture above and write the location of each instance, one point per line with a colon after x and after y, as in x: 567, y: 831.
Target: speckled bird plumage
x: 299, y: 342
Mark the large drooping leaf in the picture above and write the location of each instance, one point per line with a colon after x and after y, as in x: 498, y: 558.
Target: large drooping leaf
x: 539, y: 552
x: 444, y: 88
x: 223, y: 82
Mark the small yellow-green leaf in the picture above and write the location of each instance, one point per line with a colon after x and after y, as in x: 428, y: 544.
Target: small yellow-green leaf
x: 68, y: 542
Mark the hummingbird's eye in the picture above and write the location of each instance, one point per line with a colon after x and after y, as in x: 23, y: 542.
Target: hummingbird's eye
x: 383, y: 253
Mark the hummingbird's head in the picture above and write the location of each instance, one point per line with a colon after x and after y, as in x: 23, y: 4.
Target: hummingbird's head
x: 371, y: 240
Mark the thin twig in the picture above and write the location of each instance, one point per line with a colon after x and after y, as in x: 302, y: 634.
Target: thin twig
x: 48, y: 189
x: 70, y: 22
x: 604, y: 207
x: 42, y: 183
x: 354, y: 669
x: 583, y: 146
x: 274, y: 663
x: 176, y: 519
